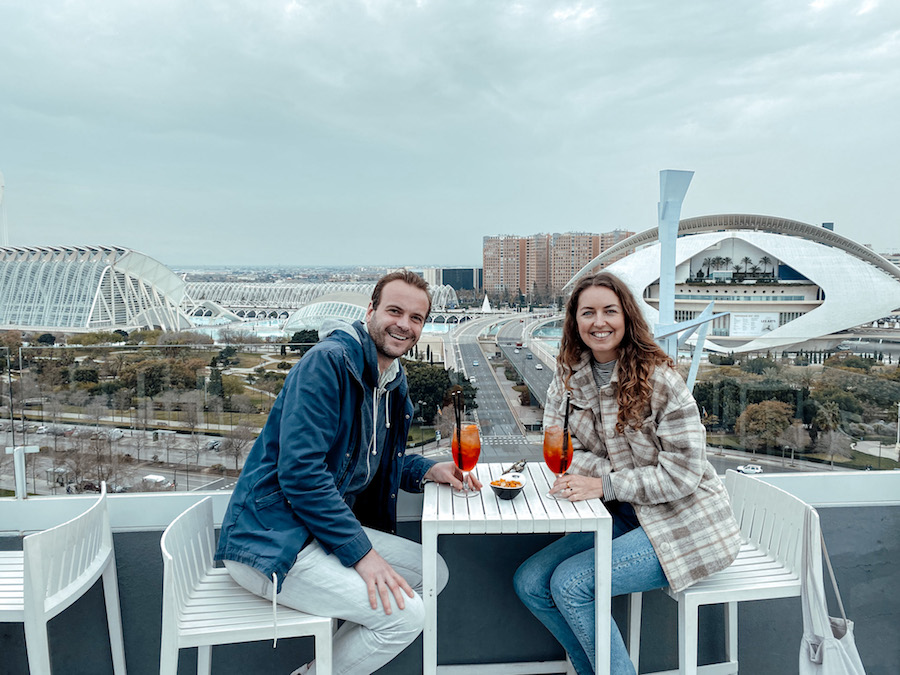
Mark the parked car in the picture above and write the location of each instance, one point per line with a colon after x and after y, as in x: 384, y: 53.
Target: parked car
x: 750, y: 468
x: 214, y: 444
x: 43, y: 429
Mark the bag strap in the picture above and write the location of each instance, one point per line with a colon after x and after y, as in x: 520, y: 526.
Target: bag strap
x: 837, y: 593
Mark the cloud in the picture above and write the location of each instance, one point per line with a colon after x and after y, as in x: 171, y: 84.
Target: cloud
x: 362, y: 131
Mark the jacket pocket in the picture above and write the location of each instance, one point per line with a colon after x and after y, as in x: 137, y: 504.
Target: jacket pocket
x: 270, y: 499
x: 643, y: 443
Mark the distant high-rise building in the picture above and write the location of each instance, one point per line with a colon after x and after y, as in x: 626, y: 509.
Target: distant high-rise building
x: 540, y: 264
x: 461, y: 278
x: 504, y: 265
x: 571, y: 252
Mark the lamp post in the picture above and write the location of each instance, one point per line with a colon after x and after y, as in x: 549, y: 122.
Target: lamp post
x: 422, y: 423
x: 897, y: 445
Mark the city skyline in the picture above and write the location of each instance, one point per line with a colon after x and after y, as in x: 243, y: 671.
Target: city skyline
x: 400, y: 133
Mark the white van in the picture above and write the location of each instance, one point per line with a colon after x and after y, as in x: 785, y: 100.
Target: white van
x: 154, y: 481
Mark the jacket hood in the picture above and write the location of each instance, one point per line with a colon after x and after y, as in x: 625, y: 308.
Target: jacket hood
x: 367, y: 366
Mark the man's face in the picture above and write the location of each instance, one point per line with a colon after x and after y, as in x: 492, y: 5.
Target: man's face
x: 396, y: 325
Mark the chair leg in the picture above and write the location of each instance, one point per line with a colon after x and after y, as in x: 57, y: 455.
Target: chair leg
x: 731, y: 632
x: 687, y: 638
x: 635, y: 606
x: 204, y: 660
x: 324, y: 655
x: 114, y: 618
x: 37, y: 646
x: 168, y: 659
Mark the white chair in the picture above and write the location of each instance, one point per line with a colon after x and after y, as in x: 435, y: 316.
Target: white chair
x: 203, y: 606
x: 768, y: 566
x: 54, y: 569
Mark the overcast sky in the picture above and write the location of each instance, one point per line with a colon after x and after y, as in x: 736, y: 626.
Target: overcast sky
x: 399, y: 132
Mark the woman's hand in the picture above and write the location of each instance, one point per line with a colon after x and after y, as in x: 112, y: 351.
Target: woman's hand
x: 577, y: 488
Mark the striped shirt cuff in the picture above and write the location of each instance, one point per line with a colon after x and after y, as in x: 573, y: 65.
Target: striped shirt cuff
x: 609, y: 492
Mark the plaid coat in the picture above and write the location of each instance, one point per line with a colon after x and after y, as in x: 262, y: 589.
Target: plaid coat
x: 661, y: 468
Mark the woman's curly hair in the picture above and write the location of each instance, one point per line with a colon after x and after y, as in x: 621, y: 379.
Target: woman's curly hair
x: 637, y: 354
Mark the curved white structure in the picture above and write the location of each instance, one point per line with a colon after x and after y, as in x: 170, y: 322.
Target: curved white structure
x: 241, y: 297
x: 814, y: 283
x: 87, y: 288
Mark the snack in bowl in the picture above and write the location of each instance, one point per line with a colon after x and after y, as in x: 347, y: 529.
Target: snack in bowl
x: 509, y: 485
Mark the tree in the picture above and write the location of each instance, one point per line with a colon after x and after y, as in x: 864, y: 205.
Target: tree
x: 46, y: 339
x: 747, y: 261
x: 762, y: 423
x: 432, y: 385
x: 236, y: 442
x: 765, y: 261
x: 795, y: 437
x: 303, y: 340
x: 214, y: 386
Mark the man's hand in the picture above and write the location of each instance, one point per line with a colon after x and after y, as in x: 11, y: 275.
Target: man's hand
x: 449, y: 473
x: 382, y: 580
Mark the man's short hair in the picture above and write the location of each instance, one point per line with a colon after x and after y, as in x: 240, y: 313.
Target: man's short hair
x: 406, y: 276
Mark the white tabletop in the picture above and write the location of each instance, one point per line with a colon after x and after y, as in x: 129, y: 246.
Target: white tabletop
x: 531, y: 511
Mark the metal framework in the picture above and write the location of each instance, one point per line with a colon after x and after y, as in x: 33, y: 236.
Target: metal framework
x: 87, y: 288
x: 257, y: 296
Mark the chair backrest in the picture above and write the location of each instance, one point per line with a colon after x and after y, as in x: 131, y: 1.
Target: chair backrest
x: 187, y: 550
x: 770, y: 518
x: 63, y: 562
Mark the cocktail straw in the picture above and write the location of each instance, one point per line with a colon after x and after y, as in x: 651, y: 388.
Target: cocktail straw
x: 457, y: 411
x: 565, y: 435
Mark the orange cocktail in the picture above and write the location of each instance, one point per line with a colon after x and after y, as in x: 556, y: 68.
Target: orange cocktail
x: 557, y: 450
x: 466, y: 449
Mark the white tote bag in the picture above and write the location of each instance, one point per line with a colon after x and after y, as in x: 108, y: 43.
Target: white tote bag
x: 828, y: 646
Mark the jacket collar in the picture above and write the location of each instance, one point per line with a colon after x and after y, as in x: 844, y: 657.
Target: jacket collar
x: 362, y: 359
x: 584, y: 388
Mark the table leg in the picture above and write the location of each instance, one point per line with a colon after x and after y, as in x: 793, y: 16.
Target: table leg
x: 429, y: 597
x: 602, y: 588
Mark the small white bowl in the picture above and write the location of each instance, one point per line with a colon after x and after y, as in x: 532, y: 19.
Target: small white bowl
x: 506, y: 491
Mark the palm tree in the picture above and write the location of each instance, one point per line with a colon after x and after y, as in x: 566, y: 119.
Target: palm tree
x: 717, y: 261
x: 765, y: 261
x: 747, y: 260
x: 726, y: 262
x: 707, y: 262
x: 754, y: 269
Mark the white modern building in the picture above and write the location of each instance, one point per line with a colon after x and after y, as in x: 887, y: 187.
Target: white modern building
x: 782, y: 282
x: 87, y: 288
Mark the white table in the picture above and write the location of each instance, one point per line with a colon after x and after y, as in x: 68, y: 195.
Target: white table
x: 531, y: 512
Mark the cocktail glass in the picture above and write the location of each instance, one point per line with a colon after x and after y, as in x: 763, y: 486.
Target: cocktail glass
x: 557, y: 452
x: 466, y: 451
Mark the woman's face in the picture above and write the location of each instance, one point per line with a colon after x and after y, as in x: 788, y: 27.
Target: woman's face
x: 601, y: 322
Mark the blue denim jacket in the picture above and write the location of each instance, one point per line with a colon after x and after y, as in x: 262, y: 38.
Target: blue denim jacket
x: 293, y: 485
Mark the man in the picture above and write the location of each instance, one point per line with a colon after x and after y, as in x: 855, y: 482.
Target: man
x: 313, y: 514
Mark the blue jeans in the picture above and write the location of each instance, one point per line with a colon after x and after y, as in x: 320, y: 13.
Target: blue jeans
x: 557, y: 585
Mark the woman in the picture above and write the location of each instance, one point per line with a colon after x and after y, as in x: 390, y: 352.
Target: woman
x: 640, y: 447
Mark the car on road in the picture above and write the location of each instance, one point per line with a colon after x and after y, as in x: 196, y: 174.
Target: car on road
x: 215, y: 444
x: 475, y: 362
x: 517, y: 351
x: 750, y: 468
x: 538, y: 366
x: 529, y: 355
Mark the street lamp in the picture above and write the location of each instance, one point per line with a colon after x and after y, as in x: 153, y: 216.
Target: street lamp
x: 422, y: 423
